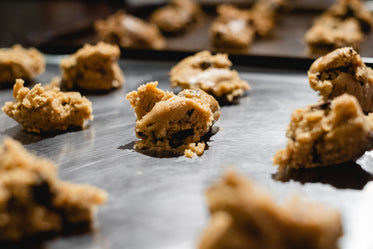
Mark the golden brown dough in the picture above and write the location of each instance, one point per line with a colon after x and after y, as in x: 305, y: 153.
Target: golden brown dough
x: 130, y: 32
x: 327, y: 133
x: 173, y: 123
x: 177, y: 16
x: 244, y: 216
x: 18, y: 62
x: 339, y: 26
x: 34, y: 201
x: 40, y: 110
x: 212, y: 74
x: 93, y: 67
x: 343, y: 71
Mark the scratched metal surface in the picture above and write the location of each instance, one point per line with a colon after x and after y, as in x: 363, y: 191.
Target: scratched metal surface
x: 159, y: 202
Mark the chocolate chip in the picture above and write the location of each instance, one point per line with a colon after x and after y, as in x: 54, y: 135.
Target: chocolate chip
x: 321, y: 106
x: 178, y: 137
x: 206, y: 64
x: 190, y: 112
x: 42, y: 192
x: 140, y: 134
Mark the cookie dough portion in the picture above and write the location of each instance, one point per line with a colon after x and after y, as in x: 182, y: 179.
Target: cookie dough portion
x: 339, y: 26
x: 18, y: 62
x: 244, y: 216
x: 173, y: 123
x: 34, y: 201
x: 92, y: 68
x: 327, y: 133
x: 232, y: 29
x: 264, y: 15
x: 329, y: 33
x: 344, y: 9
x: 212, y: 74
x: 177, y: 16
x: 130, y: 32
x: 343, y: 71
x: 39, y: 110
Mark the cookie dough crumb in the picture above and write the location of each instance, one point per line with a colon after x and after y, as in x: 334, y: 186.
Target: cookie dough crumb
x: 232, y: 28
x: 173, y: 123
x: 18, y: 62
x: 327, y: 133
x: 33, y: 201
x: 212, y: 74
x: 178, y: 16
x: 129, y: 32
x: 92, y: 68
x: 39, y: 110
x: 343, y: 71
x: 195, y: 149
x: 244, y: 216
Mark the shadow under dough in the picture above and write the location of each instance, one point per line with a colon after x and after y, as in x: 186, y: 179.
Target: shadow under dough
x: 167, y: 154
x: 24, y: 137
x: 342, y: 176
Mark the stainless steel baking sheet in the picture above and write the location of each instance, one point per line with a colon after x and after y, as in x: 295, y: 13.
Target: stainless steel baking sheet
x: 159, y: 203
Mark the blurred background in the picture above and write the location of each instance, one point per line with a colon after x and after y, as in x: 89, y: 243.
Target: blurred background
x: 34, y: 22
x: 61, y: 27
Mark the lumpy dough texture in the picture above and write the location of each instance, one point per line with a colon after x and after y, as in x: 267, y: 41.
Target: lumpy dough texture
x: 92, y: 68
x: 212, y: 74
x: 34, y: 201
x: 326, y: 133
x: 130, y: 32
x: 343, y: 71
x: 244, y: 216
x: 177, y: 16
x: 40, y: 110
x: 18, y: 62
x: 173, y: 123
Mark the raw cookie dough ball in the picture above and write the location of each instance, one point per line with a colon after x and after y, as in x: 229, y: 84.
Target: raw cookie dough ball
x: 92, y: 68
x: 177, y: 16
x: 232, y: 28
x: 129, y: 32
x: 40, y: 110
x: 244, y: 216
x: 329, y: 33
x: 173, y: 123
x: 327, y: 133
x: 18, y: 62
x: 343, y: 71
x: 33, y: 201
x: 212, y: 74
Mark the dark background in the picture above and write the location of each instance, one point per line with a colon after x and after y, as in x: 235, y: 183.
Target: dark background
x: 37, y: 22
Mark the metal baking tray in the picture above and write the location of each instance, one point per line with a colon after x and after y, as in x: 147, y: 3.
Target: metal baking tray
x: 159, y: 203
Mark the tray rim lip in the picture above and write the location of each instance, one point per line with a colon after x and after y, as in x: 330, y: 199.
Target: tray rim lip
x: 255, y: 60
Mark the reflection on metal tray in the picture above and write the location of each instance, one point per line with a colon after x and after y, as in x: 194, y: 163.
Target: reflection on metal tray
x: 159, y: 203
